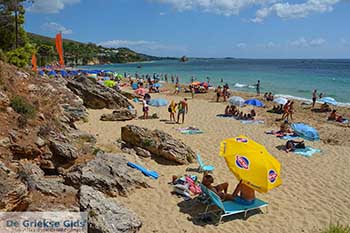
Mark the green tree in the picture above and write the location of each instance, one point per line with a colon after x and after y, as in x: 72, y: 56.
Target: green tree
x: 12, y: 34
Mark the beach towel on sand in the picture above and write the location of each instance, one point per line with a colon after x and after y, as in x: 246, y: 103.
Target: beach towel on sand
x: 307, y: 151
x: 255, y: 122
x: 190, y: 130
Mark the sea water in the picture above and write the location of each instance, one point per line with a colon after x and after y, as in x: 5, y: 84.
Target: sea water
x: 290, y: 77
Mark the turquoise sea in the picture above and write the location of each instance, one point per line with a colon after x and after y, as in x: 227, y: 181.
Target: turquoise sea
x: 292, y: 77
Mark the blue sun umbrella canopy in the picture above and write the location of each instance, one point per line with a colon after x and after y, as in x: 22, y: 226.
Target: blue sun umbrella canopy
x: 254, y: 102
x: 236, y: 101
x: 328, y: 100
x: 280, y: 100
x: 52, y: 73
x: 158, y: 102
x: 157, y: 85
x: 305, y: 131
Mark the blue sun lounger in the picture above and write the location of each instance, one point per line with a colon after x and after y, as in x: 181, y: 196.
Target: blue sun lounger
x: 202, y: 167
x: 228, y: 208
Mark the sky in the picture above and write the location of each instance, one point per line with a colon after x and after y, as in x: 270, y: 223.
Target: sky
x: 202, y: 28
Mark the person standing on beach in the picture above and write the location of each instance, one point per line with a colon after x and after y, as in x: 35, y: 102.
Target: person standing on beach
x: 172, y: 78
x: 183, y: 109
x: 145, y: 108
x: 218, y: 93
x: 314, y: 98
x: 192, y: 79
x: 258, y: 88
x: 177, y: 79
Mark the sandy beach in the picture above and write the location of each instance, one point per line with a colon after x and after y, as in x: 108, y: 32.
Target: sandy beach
x: 314, y: 192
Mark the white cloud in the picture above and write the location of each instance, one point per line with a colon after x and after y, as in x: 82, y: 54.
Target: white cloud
x: 56, y: 27
x: 299, y: 10
x: 241, y: 45
x: 50, y: 6
x: 162, y: 13
x: 143, y: 46
x: 304, y: 43
x: 222, y: 7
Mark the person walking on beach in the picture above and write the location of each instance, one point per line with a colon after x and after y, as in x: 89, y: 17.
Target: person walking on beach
x: 258, y: 88
x: 192, y: 91
x: 145, y: 108
x: 285, y: 110
x: 314, y: 97
x: 218, y: 93
x: 183, y: 109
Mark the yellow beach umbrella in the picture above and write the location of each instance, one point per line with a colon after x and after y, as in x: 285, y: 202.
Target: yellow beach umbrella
x: 251, y: 163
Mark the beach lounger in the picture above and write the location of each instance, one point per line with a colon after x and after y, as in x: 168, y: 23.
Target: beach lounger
x: 228, y: 208
x: 202, y: 167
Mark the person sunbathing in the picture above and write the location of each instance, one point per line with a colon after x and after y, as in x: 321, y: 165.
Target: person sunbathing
x: 325, y: 108
x: 220, y: 189
x: 243, y: 194
x: 253, y: 113
x: 291, y: 145
x: 240, y: 116
x: 227, y: 110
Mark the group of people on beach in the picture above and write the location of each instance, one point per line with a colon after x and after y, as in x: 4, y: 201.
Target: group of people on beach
x: 181, y: 107
x: 239, y: 115
x: 222, y: 92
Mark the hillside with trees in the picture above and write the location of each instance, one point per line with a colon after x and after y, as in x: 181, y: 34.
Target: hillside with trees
x: 17, y: 46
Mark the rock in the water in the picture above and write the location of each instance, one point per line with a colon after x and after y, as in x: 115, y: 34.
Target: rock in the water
x: 106, y: 215
x: 158, y: 143
x: 97, y: 96
x: 109, y: 174
x: 122, y: 114
x: 14, y: 195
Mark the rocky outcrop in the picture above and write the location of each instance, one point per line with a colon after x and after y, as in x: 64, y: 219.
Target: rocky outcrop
x: 14, y: 195
x: 62, y: 152
x: 105, y: 214
x: 158, y: 143
x: 109, y: 174
x: 34, y: 178
x: 97, y: 96
x: 122, y: 114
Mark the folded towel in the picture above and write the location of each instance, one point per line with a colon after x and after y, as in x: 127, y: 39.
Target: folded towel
x: 307, y: 151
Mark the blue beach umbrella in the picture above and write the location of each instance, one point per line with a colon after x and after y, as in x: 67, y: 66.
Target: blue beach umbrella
x: 305, y: 131
x: 236, y: 101
x: 157, y: 85
x: 328, y: 100
x: 64, y: 73
x: 158, y: 102
x: 52, y: 73
x: 254, y: 102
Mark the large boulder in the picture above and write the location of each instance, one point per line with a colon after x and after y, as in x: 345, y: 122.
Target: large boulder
x: 106, y: 215
x: 122, y: 114
x: 35, y: 179
x: 63, y: 152
x: 97, y: 96
x: 158, y: 143
x: 14, y: 195
x: 107, y: 173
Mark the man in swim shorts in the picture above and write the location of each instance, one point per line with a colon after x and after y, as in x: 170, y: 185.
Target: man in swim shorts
x: 183, y: 109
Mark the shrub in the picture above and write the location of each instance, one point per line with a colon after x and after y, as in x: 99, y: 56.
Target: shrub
x: 20, y: 57
x: 21, y: 106
x: 337, y: 228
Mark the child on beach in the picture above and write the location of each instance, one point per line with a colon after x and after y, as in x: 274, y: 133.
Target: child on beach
x: 172, y: 110
x: 145, y: 109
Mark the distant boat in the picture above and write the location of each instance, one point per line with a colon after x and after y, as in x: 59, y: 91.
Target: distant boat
x: 139, y: 66
x: 184, y: 59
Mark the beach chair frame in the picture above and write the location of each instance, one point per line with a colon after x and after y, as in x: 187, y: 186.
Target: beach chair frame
x: 202, y: 167
x: 223, y: 212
